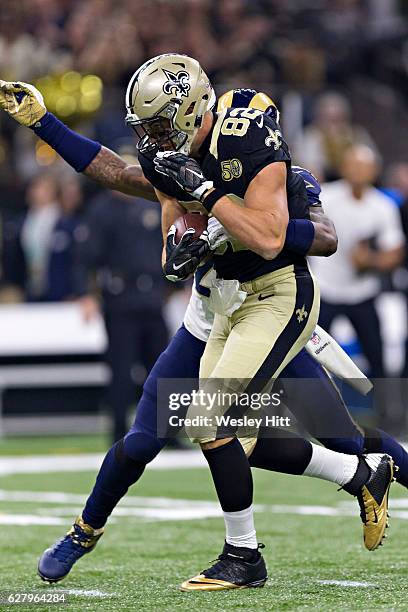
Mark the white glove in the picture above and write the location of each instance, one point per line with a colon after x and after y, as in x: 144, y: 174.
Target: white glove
x: 217, y: 234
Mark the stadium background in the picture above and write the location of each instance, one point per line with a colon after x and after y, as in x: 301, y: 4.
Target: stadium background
x: 349, y: 57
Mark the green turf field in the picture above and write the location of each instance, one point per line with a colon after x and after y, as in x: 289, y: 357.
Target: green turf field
x: 143, y: 556
x: 57, y: 445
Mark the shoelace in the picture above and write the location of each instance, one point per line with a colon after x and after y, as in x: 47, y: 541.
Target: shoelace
x: 218, y: 567
x: 223, y: 557
x: 69, y: 547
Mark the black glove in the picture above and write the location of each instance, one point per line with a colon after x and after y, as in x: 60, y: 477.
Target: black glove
x: 183, y: 258
x: 185, y: 171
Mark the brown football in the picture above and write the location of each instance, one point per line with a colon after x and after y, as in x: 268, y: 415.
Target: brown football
x: 190, y: 220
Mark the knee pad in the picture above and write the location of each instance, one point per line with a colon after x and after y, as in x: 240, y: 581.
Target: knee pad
x: 141, y: 447
x: 372, y: 440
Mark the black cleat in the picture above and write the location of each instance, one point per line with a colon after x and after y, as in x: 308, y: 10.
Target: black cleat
x: 235, y: 568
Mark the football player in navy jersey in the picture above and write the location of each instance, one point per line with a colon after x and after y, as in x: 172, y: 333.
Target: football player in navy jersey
x: 125, y: 462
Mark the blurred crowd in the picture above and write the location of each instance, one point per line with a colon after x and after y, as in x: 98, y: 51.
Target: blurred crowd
x: 304, y: 46
x: 339, y: 85
x: 295, y: 41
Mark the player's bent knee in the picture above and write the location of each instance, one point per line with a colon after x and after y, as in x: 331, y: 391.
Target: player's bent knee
x: 199, y: 434
x: 141, y: 447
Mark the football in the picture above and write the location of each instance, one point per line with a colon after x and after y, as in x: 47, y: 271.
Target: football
x: 190, y: 220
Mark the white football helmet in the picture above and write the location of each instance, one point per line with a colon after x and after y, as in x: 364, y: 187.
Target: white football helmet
x: 166, y: 100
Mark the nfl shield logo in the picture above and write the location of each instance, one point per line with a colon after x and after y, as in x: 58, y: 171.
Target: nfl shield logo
x: 315, y: 338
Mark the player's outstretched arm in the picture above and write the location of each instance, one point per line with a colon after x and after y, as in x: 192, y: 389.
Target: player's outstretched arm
x: 111, y: 171
x: 25, y: 104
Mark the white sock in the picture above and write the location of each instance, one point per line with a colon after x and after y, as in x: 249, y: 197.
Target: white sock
x: 329, y: 465
x: 240, y: 528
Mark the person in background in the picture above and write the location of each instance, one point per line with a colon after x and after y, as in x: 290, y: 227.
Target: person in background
x: 37, y: 253
x: 121, y: 242
x: 35, y: 236
x: 323, y: 143
x: 61, y: 253
x: 371, y: 242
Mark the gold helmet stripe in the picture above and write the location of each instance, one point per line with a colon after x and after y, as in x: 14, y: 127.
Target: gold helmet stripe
x: 261, y: 102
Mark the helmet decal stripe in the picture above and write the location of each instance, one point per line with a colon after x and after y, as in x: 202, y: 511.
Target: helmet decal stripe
x: 129, y: 91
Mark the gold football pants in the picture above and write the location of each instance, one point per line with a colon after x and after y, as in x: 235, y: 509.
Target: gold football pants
x: 255, y: 343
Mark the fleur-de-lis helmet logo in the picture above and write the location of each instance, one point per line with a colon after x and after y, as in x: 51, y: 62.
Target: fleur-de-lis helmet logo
x: 177, y: 83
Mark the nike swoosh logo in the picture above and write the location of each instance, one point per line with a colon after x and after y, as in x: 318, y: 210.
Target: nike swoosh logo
x: 265, y: 297
x: 177, y: 267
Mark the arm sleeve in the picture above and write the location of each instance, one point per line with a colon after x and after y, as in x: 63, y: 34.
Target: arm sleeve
x: 75, y: 149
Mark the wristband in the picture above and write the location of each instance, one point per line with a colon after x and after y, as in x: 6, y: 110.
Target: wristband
x: 75, y: 149
x: 200, y: 191
x: 299, y: 236
x: 212, y: 198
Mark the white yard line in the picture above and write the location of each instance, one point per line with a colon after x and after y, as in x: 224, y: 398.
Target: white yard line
x: 84, y: 462
x: 30, y: 519
x: 83, y: 592
x: 62, y: 505
x: 38, y: 464
x: 56, y: 497
x: 310, y: 510
x: 149, y: 508
x: 55, y: 508
x: 347, y: 583
x: 400, y: 502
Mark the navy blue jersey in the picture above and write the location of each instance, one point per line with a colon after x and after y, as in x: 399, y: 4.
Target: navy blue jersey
x: 241, y: 143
